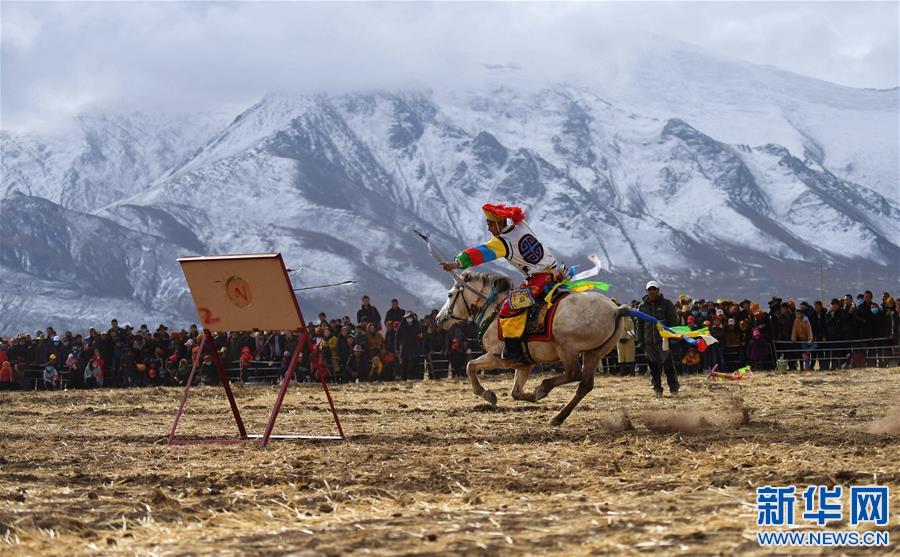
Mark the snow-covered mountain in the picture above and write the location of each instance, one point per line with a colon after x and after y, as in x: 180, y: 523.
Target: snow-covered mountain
x: 717, y: 178
x: 100, y: 158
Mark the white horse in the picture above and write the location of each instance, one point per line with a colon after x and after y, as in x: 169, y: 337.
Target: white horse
x: 586, y: 325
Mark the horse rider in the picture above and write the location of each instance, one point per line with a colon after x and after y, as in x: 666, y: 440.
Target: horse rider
x: 514, y: 241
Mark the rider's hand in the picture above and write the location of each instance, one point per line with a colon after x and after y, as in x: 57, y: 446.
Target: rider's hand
x: 450, y: 265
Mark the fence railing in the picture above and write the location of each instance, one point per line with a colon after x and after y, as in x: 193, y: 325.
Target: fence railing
x: 871, y: 352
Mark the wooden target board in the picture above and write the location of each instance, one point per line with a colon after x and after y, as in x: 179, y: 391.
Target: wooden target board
x: 242, y: 292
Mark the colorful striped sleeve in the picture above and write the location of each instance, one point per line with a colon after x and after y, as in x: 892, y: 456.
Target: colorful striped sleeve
x: 493, y: 249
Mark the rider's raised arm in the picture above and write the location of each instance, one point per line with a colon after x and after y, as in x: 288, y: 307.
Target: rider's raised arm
x: 493, y: 249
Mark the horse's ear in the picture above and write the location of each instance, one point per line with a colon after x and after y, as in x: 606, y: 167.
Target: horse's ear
x: 466, y: 278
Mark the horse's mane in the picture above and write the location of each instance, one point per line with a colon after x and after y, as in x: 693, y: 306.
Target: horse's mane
x: 499, y: 283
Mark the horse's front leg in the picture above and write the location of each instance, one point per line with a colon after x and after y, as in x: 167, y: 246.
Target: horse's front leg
x: 485, y: 361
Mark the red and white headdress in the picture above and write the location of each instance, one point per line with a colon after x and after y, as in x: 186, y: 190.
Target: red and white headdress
x: 500, y: 212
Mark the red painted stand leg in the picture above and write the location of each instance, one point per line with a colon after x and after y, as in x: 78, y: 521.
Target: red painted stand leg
x: 285, y: 381
x: 207, y: 342
x: 314, y: 357
x: 337, y: 420
x: 187, y: 388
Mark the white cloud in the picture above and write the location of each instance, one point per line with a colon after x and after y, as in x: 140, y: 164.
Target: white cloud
x: 61, y: 58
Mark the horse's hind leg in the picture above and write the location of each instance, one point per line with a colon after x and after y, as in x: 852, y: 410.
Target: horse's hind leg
x: 484, y: 361
x: 521, y: 377
x: 589, y: 366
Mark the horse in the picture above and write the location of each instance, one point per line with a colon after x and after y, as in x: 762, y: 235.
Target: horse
x: 586, y: 327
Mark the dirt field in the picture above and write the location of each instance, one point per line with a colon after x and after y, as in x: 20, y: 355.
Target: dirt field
x: 431, y: 469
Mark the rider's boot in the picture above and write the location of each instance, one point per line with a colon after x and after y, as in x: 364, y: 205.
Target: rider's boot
x: 512, y: 350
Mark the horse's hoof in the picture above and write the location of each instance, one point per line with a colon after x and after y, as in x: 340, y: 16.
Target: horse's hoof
x: 556, y: 421
x: 540, y: 393
x: 490, y: 397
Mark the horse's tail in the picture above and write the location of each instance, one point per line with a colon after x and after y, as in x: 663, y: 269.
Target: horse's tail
x: 613, y: 339
x: 621, y: 313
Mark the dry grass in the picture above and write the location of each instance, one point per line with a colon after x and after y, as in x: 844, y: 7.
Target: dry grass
x: 431, y: 469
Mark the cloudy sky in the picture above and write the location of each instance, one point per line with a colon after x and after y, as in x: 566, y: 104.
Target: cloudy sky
x: 62, y: 58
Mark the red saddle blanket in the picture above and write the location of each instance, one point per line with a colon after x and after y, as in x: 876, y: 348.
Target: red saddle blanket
x: 539, y: 326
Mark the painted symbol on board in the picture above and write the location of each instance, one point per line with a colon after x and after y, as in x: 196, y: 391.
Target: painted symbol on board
x: 238, y: 291
x: 531, y: 249
x: 206, y: 316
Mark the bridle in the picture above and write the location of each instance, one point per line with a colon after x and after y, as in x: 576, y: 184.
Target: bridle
x: 474, y: 311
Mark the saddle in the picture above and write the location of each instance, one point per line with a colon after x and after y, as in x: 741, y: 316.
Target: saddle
x: 539, y: 323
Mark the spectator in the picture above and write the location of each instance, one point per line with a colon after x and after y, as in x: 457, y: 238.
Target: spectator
x: 88, y: 374
x: 389, y: 363
x: 356, y: 366
x: 818, y: 320
x: 456, y: 338
x: 51, y: 375
x: 625, y: 352
x: 374, y: 338
x: 394, y: 315
x: 331, y: 354
x: 409, y: 346
x: 716, y: 355
x: 881, y: 330
x: 656, y: 305
x: 802, y: 332
x: 96, y: 366
x: 784, y: 320
x: 184, y: 371
x: 893, y: 328
x: 171, y: 369
x: 734, y: 343
x: 285, y: 362
x: 368, y: 312
x: 6, y: 376
x: 345, y: 345
x: 209, y: 375
x: 244, y: 362
x: 837, y: 332
x: 129, y: 369
x: 72, y: 364
x: 375, y: 370
x: 758, y: 351
x: 259, y: 345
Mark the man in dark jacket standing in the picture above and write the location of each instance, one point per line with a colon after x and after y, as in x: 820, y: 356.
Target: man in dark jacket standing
x: 648, y: 337
x: 394, y: 315
x: 818, y: 319
x: 369, y: 313
x: 409, y: 346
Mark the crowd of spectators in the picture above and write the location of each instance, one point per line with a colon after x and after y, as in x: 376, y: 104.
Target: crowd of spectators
x: 367, y: 349
x: 400, y: 345
x: 848, y: 331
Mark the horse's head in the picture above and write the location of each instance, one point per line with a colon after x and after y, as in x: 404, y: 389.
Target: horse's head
x: 468, y: 295
x: 456, y: 306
